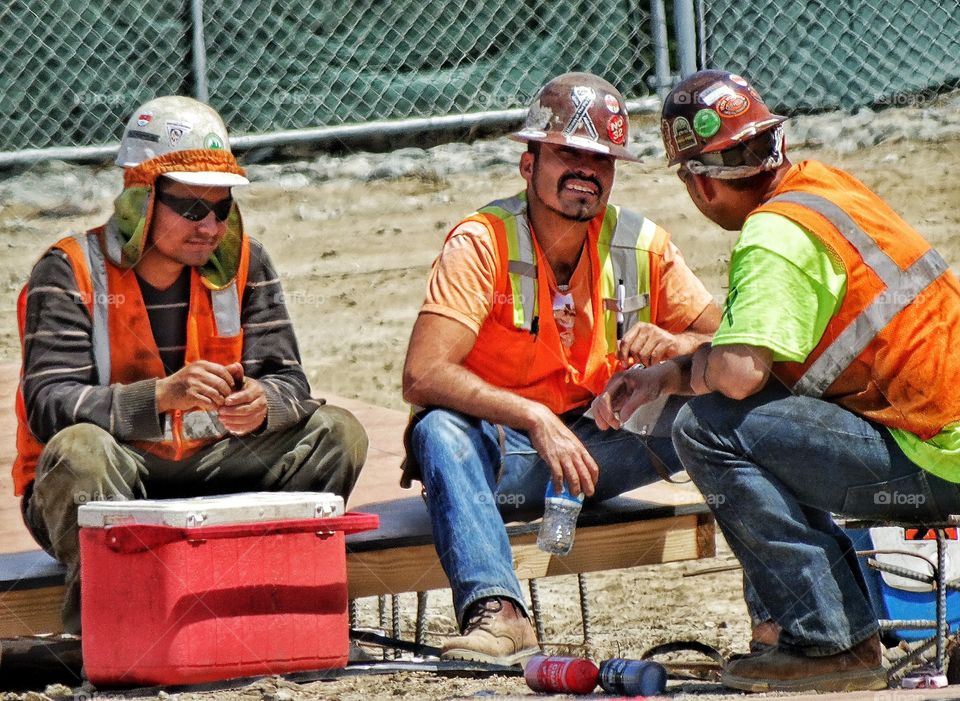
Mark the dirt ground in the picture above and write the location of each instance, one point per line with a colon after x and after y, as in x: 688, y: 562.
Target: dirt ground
x: 354, y: 257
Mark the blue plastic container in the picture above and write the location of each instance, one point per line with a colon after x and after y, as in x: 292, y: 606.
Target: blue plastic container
x: 893, y: 603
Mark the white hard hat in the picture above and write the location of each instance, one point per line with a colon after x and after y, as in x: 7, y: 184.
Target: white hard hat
x: 176, y: 123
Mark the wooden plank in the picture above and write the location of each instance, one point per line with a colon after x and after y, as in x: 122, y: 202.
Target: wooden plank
x: 602, y: 547
x: 706, y: 535
x: 31, y: 611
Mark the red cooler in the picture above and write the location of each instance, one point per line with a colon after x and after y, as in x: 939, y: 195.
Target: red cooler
x: 192, y: 590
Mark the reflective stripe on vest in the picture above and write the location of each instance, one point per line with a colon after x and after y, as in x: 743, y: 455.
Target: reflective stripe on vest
x: 521, y: 257
x: 632, y: 237
x: 226, y: 312
x: 632, y: 232
x: 99, y: 333
x: 902, y: 288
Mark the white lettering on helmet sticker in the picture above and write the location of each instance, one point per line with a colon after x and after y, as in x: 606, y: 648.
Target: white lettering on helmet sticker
x: 715, y: 92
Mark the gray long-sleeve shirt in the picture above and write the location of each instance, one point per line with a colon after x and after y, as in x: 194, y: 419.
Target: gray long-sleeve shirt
x: 60, y: 378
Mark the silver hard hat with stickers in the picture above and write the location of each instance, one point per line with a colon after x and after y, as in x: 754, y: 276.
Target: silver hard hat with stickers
x: 581, y: 111
x: 176, y: 123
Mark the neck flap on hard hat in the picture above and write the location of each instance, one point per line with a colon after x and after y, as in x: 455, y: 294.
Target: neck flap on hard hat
x: 125, y: 235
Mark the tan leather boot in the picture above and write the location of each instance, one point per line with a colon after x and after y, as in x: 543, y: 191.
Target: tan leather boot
x: 857, y: 669
x: 495, y: 632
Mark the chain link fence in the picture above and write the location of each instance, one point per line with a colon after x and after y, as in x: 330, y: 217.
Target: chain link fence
x: 73, y: 70
x: 809, y: 56
x: 70, y: 72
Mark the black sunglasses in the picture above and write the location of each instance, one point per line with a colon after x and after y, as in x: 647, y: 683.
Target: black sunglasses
x: 196, y: 209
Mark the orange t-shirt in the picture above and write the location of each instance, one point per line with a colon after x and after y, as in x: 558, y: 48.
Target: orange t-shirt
x: 461, y: 287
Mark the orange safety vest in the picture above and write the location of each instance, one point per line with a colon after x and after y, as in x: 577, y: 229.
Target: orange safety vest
x: 889, y: 353
x: 125, y: 351
x: 518, y: 348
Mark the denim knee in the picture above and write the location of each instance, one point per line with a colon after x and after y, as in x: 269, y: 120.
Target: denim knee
x: 697, y: 430
x: 439, y: 429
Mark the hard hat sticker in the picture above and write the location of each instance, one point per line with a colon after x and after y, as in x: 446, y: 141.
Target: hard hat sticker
x: 144, y: 119
x: 616, y: 130
x: 733, y: 105
x: 715, y: 92
x: 612, y: 103
x: 706, y: 123
x: 683, y: 134
x: 668, y: 140
x: 177, y: 130
x: 739, y: 80
x: 583, y: 98
x: 212, y: 141
x: 143, y: 135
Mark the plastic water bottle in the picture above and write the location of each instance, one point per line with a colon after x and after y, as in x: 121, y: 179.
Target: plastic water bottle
x: 559, y: 520
x: 633, y: 677
x: 561, y: 675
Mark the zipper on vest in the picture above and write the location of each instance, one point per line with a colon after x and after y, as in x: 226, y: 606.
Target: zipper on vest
x: 177, y: 430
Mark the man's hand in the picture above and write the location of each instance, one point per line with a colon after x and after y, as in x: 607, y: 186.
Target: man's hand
x: 631, y: 389
x: 563, y: 452
x: 244, y: 411
x: 648, y: 345
x: 199, y: 385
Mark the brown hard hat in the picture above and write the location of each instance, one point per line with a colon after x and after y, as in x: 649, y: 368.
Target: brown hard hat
x: 582, y: 111
x: 712, y: 111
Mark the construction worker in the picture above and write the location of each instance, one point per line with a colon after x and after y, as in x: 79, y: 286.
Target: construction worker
x: 827, y: 389
x: 158, y: 357
x: 516, y: 336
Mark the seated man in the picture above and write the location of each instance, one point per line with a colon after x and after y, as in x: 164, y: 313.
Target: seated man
x: 829, y: 386
x: 518, y: 333
x: 158, y: 357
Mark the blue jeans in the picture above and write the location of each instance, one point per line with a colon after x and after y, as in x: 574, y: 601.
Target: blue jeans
x: 478, y: 475
x: 773, y: 467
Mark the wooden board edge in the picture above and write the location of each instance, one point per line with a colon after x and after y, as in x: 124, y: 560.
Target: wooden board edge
x: 612, y: 546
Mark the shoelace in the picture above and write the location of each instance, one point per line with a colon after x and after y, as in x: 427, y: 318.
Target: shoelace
x: 481, y: 613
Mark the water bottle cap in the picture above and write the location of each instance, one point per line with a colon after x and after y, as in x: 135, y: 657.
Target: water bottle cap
x: 565, y: 494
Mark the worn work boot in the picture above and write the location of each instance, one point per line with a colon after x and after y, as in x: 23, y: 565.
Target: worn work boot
x: 857, y: 669
x: 495, y: 632
x: 765, y: 637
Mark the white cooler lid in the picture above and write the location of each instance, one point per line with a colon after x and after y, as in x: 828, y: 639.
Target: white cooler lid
x: 247, y: 507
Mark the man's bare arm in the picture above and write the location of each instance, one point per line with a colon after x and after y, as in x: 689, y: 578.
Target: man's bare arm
x: 434, y: 376
x: 736, y: 371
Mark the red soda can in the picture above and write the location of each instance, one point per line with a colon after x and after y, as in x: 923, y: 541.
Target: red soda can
x: 572, y: 675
